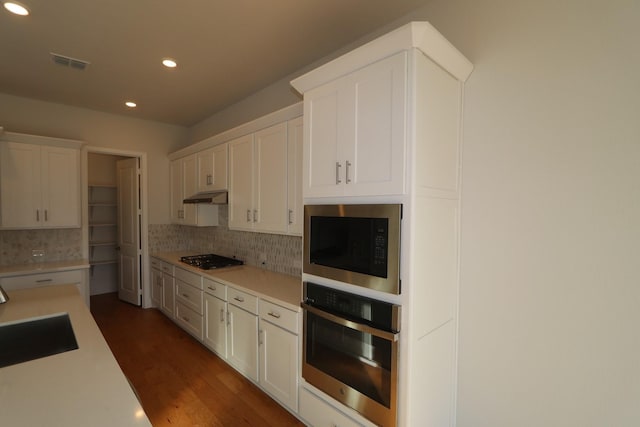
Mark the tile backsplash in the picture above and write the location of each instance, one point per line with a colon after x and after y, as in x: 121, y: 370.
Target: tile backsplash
x: 59, y: 244
x: 274, y: 252
x: 280, y: 253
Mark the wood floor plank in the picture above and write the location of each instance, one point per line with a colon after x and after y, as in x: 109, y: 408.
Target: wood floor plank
x: 179, y: 381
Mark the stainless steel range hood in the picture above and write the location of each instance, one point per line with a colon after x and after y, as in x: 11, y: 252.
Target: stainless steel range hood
x: 211, y: 198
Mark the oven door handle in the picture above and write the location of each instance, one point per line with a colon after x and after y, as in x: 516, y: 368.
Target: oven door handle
x: 390, y: 336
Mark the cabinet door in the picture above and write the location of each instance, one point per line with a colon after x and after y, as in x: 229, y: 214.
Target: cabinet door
x: 241, y: 213
x: 242, y: 345
x: 355, y: 132
x: 278, y: 363
x: 189, y: 188
x: 212, y: 168
x: 156, y: 287
x: 295, y: 140
x: 168, y: 295
x: 322, y: 133
x: 270, y: 174
x: 215, y: 326
x: 20, y: 192
x: 175, y: 172
x: 374, y: 155
x: 60, y: 187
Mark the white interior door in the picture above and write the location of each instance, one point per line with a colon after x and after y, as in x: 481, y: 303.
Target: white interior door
x: 129, y: 215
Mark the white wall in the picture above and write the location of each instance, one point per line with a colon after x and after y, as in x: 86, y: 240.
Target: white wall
x: 550, y: 280
x: 97, y: 129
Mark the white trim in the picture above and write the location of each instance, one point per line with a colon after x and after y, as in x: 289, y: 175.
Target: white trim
x: 279, y: 116
x: 40, y: 140
x: 419, y: 35
x: 144, y: 226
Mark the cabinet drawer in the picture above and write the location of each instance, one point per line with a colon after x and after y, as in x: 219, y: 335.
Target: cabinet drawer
x: 189, y: 296
x: 42, y: 279
x: 155, y: 263
x: 243, y: 300
x: 319, y: 413
x: 189, y: 320
x: 214, y: 288
x: 168, y: 268
x: 192, y: 279
x: 279, y: 316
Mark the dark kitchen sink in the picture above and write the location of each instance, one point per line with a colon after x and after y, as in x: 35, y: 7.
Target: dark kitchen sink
x: 35, y: 338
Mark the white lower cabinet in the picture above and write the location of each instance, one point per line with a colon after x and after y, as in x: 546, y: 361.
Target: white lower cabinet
x: 156, y: 286
x: 279, y: 355
x: 215, y: 317
x: 189, y: 302
x: 318, y: 413
x: 242, y: 338
x: 24, y: 281
x: 168, y: 305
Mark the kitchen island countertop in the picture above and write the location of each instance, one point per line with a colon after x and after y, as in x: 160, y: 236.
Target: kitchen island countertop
x: 83, y: 387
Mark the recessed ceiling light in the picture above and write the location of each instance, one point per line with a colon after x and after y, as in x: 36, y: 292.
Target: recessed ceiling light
x: 17, y: 8
x: 131, y: 104
x: 169, y: 63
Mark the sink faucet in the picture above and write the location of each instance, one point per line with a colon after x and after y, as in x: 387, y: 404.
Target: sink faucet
x: 3, y: 296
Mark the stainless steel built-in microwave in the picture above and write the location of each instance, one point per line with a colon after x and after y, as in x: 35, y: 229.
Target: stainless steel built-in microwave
x: 356, y: 244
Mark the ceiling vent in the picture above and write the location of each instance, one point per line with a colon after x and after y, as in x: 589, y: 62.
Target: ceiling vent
x: 78, y: 64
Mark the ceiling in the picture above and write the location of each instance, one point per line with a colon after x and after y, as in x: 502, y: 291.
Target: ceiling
x: 225, y: 49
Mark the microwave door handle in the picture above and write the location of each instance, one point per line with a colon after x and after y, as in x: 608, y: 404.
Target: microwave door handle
x: 389, y: 336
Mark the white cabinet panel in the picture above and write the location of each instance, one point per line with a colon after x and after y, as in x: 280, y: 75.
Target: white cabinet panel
x: 279, y: 361
x: 295, y: 141
x: 355, y: 132
x: 39, y: 186
x: 215, y: 324
x: 242, y: 344
x: 212, y: 168
x: 241, y: 183
x: 183, y: 183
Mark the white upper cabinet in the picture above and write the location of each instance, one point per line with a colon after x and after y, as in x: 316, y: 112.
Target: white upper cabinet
x: 355, y: 132
x: 295, y: 141
x: 258, y: 181
x: 183, y: 177
x: 212, y: 168
x: 39, y: 186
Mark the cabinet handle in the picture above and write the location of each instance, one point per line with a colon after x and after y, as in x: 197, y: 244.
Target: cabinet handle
x: 186, y: 296
x: 348, y: 180
x: 222, y: 315
x: 44, y: 280
x: 290, y: 214
x: 46, y: 215
x: 209, y: 179
x: 37, y: 215
x: 338, y: 166
x: 185, y: 318
x: 239, y: 299
x: 260, y: 340
x: 255, y: 214
x: 274, y: 314
x: 211, y: 288
x: 228, y: 318
x: 248, y: 215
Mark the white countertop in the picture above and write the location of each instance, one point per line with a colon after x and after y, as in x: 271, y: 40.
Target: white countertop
x: 83, y: 387
x: 277, y: 288
x: 45, y: 267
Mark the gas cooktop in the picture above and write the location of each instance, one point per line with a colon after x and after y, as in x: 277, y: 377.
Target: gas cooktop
x: 210, y: 261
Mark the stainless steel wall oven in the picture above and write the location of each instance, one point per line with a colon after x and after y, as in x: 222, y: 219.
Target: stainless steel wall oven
x: 350, y: 350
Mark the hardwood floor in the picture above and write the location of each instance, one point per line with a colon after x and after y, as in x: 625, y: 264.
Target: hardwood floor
x: 179, y: 381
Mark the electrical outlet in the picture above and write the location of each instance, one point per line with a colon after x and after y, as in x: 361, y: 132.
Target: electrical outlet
x: 262, y: 258
x: 37, y: 253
